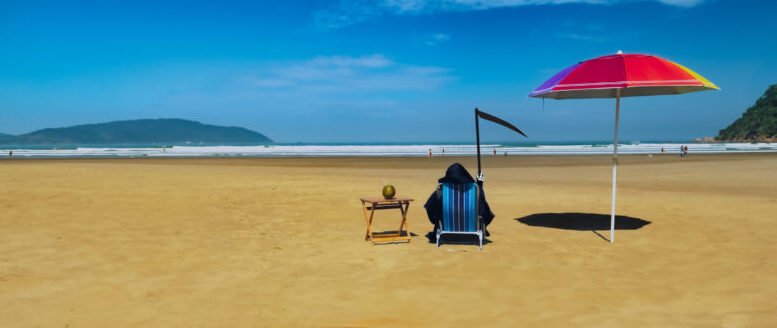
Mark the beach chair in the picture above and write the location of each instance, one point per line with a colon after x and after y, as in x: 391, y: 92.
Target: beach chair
x: 460, y: 211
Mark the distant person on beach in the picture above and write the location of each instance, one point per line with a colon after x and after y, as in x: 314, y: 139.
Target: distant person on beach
x: 430, y: 153
x: 443, y: 152
x: 685, y: 151
x: 10, y: 153
x: 682, y: 150
x: 663, y: 150
x: 494, y: 152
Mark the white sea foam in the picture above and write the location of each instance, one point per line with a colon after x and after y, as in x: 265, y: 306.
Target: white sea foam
x: 388, y: 150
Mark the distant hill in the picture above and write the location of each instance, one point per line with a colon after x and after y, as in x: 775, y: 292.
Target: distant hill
x: 758, y: 123
x: 146, y: 131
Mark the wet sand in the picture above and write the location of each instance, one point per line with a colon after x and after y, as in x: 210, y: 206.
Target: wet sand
x: 279, y: 243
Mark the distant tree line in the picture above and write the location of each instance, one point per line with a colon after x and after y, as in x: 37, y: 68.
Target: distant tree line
x: 145, y: 131
x: 758, y: 123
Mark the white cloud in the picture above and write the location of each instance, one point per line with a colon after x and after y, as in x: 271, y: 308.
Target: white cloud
x: 571, y: 30
x: 406, y: 5
x: 579, y: 37
x: 373, y: 61
x: 314, y: 89
x: 437, y: 39
x: 681, y: 3
x: 334, y: 74
x: 348, y: 12
x: 269, y: 82
x: 423, y: 6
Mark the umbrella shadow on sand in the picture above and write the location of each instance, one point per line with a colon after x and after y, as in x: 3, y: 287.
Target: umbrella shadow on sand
x: 582, y: 222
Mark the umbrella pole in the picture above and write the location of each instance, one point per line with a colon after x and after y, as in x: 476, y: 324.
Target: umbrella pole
x: 615, y: 164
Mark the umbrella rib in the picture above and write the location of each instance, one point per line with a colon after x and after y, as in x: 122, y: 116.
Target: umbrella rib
x: 695, y: 82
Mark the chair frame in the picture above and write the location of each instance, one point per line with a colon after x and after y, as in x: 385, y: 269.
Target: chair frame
x: 479, y: 229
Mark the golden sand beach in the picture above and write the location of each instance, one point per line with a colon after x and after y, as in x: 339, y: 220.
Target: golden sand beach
x: 280, y: 243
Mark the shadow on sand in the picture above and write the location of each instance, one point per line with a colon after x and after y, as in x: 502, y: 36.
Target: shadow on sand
x: 391, y: 233
x: 582, y: 222
x: 453, y: 239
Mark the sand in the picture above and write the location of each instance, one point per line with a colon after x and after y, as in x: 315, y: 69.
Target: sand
x: 279, y: 243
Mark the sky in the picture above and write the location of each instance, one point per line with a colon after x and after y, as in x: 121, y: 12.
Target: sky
x: 375, y: 71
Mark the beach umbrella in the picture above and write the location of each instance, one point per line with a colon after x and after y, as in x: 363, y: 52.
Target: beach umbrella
x: 621, y: 75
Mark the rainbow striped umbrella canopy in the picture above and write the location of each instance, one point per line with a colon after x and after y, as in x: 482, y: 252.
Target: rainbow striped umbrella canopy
x: 632, y: 74
x: 621, y: 75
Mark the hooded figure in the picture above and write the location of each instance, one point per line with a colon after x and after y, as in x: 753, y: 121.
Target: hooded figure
x: 456, y: 173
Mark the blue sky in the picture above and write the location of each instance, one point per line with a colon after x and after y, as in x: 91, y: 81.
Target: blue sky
x: 375, y: 71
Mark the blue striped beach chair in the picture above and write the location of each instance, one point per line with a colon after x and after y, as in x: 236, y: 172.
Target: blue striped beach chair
x: 460, y: 211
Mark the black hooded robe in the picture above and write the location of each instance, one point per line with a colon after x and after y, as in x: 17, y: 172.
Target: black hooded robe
x: 456, y: 173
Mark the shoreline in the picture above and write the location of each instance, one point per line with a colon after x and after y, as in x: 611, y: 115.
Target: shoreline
x: 499, y: 160
x: 386, y: 150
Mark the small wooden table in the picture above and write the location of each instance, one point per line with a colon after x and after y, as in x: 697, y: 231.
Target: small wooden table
x: 369, y: 205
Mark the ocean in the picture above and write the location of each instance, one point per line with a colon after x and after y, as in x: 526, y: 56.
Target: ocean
x: 375, y: 150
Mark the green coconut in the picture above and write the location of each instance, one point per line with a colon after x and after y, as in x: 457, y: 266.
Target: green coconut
x: 389, y: 191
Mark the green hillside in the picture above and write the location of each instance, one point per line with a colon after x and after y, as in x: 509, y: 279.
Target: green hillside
x: 758, y: 123
x: 146, y: 131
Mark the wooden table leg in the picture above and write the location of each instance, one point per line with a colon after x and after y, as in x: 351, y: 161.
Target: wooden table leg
x: 368, y: 218
x: 372, y: 214
x: 404, y: 207
x: 407, y: 225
